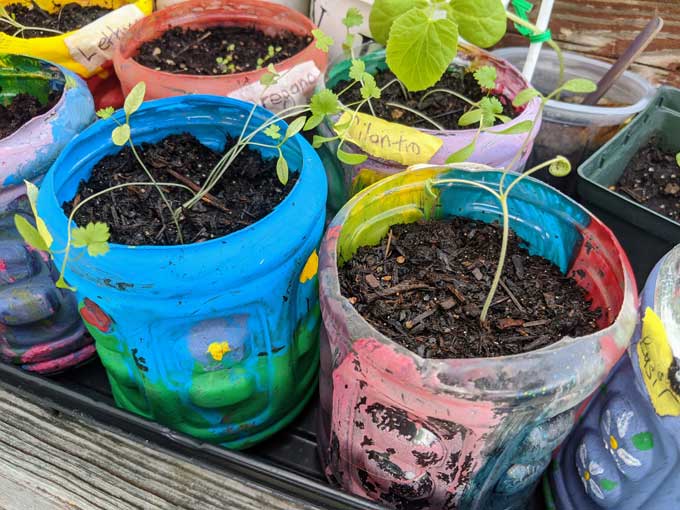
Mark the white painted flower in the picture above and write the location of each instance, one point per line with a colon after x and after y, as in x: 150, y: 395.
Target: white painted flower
x: 611, y: 442
x: 588, y: 471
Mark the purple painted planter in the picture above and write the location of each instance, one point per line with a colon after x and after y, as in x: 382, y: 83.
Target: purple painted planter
x: 496, y: 151
x: 461, y: 434
x: 625, y: 453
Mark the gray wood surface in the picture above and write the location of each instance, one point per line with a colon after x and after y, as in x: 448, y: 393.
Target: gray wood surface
x: 49, y: 461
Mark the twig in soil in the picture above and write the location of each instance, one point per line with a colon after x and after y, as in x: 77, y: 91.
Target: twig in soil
x: 204, y: 36
x: 511, y: 296
x: 634, y: 195
x: 540, y: 322
x: 207, y: 198
x: 404, y: 287
x: 387, y: 247
x: 420, y: 318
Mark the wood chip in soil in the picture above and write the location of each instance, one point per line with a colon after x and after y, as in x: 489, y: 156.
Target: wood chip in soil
x: 190, y: 51
x: 443, y: 108
x: 652, y: 178
x: 136, y: 215
x: 68, y: 17
x: 432, y: 301
x: 22, y: 109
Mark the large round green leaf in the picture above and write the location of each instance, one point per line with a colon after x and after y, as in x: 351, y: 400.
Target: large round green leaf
x: 384, y: 12
x: 481, y: 22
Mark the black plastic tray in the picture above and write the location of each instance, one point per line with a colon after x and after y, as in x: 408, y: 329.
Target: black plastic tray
x: 287, y: 462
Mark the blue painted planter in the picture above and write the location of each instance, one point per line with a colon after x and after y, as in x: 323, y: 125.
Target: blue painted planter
x: 217, y: 339
x: 625, y: 453
x: 28, y: 152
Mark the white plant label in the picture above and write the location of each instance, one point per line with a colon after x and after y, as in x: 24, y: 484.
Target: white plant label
x: 293, y: 88
x: 92, y: 45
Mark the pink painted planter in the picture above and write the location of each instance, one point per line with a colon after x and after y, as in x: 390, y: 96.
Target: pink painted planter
x: 496, y: 151
x: 417, y: 433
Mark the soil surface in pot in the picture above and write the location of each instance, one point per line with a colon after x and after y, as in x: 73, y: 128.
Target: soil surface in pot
x: 69, y: 17
x: 189, y: 51
x: 425, y: 284
x: 652, y: 178
x: 443, y: 108
x: 22, y: 109
x: 137, y: 215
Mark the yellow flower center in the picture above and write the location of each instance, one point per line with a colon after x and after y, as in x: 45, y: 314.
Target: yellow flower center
x: 613, y: 442
x: 586, y: 475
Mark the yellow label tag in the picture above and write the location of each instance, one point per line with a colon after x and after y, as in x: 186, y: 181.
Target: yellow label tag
x: 655, y: 358
x: 388, y: 140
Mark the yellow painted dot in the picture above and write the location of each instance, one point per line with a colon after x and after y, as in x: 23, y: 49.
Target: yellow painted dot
x: 613, y: 442
x: 311, y: 268
x: 218, y: 349
x: 586, y: 475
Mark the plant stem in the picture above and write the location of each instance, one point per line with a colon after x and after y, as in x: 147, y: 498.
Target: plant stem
x: 416, y: 112
x: 501, y: 261
x: 447, y: 91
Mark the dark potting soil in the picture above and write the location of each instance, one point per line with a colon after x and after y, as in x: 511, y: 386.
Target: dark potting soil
x: 652, y: 178
x: 137, y: 215
x: 189, y: 51
x: 69, y: 17
x: 443, y: 108
x: 427, y: 292
x: 22, y: 109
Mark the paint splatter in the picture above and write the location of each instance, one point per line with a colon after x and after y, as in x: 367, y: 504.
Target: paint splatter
x: 311, y: 268
x: 218, y: 349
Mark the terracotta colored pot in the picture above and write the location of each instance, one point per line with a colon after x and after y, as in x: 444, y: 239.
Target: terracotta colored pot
x: 304, y: 69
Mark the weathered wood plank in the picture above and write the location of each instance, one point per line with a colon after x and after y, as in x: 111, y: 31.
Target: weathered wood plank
x: 53, y: 461
x: 603, y: 29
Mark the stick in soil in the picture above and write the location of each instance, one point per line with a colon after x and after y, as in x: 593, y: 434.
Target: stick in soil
x: 207, y: 198
x: 511, y: 296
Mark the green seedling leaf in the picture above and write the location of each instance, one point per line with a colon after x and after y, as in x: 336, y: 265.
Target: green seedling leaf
x: 347, y: 44
x: 94, y: 236
x: 481, y: 22
x: 29, y: 233
x: 273, y: 131
x: 134, y: 99
x: 521, y: 127
x: 295, y: 127
x: 369, y: 90
x: 384, y: 12
x: 267, y: 79
x: 323, y: 41
x: 503, y: 118
x: 350, y: 158
x: 490, y: 107
x: 282, y: 170
x: 677, y: 158
x: 325, y: 102
x: 357, y: 69
x: 486, y: 77
x: 105, y: 113
x: 471, y: 117
x: 353, y: 18
x: 420, y: 48
x: 318, y: 141
x: 524, y: 96
x: 580, y: 86
x: 561, y: 167
x: 463, y: 154
x: 61, y: 284
x: 32, y: 194
x: 313, y: 121
x: 121, y: 134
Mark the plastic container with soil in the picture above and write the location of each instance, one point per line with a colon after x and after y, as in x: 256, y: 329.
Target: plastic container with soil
x: 419, y: 145
x: 646, y: 234
x: 86, y: 51
x: 467, y: 433
x: 571, y: 129
x: 302, y: 70
x: 624, y: 452
x: 65, y: 108
x: 199, y: 337
x: 40, y: 329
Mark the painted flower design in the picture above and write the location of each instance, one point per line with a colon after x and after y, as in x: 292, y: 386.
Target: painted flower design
x: 616, y: 430
x: 590, y: 473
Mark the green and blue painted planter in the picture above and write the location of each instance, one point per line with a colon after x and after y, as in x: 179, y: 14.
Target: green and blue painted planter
x: 217, y: 339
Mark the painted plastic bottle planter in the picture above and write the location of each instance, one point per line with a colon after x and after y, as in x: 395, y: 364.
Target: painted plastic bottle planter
x: 217, y: 339
x: 40, y: 329
x: 295, y: 87
x: 422, y: 145
x: 645, y: 234
x: 86, y: 51
x: 27, y: 153
x: 461, y: 433
x: 625, y: 452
